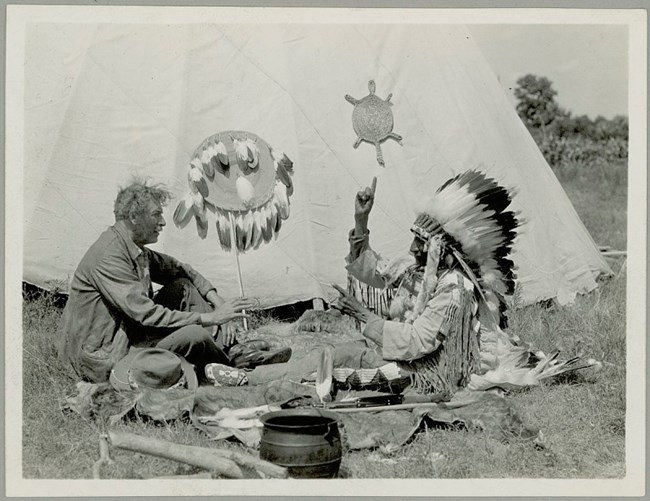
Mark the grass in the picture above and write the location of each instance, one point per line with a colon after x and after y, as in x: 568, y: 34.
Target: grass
x: 582, y: 416
x: 599, y: 194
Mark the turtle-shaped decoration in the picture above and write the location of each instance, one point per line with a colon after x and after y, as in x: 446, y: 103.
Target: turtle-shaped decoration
x: 372, y: 120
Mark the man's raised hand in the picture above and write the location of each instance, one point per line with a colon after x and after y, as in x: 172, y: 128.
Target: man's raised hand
x: 363, y: 203
x: 365, y: 199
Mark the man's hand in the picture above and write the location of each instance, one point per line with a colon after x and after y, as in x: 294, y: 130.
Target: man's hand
x: 362, y: 206
x: 349, y: 305
x: 229, y: 332
x: 227, y: 311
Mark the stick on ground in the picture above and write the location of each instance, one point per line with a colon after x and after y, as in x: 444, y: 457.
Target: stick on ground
x: 248, y: 461
x: 104, y: 457
x: 195, y: 456
x: 223, y: 462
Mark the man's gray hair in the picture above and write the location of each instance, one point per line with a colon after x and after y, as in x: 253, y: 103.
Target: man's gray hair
x: 133, y: 199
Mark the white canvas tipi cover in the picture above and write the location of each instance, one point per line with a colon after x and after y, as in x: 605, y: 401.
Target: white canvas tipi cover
x: 104, y: 101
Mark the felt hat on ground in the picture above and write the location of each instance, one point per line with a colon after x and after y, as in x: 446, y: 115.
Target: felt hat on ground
x: 153, y: 368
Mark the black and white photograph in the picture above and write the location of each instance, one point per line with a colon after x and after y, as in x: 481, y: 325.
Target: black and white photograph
x: 310, y: 251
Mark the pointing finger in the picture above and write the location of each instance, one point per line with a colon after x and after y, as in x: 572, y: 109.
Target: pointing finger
x: 373, y: 186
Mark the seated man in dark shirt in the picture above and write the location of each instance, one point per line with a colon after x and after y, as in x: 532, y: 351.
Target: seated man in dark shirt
x: 112, y: 306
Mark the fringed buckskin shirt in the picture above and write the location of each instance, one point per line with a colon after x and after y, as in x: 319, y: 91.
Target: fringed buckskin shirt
x: 111, y: 301
x: 440, y: 347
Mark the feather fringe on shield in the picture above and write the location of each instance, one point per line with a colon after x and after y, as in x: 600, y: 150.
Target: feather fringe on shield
x: 255, y: 226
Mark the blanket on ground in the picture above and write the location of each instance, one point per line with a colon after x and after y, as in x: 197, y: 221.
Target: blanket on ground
x: 234, y: 412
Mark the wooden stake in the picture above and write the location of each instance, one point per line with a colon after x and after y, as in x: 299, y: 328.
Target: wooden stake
x: 233, y: 241
x: 196, y: 456
x: 104, y: 457
x: 622, y: 270
x: 246, y: 460
x: 224, y: 462
x: 614, y: 253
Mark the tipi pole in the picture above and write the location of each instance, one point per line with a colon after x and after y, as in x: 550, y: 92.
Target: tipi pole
x: 233, y: 241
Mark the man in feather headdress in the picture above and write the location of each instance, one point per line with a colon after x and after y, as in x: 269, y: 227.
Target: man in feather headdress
x: 112, y: 306
x: 443, y: 328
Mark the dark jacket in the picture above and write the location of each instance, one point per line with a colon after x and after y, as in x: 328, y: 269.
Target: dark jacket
x: 110, y: 303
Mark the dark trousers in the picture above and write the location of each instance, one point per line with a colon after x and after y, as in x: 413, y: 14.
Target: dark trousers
x: 192, y: 342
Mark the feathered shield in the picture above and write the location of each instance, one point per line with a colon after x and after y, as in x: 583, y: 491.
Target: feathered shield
x: 244, y: 182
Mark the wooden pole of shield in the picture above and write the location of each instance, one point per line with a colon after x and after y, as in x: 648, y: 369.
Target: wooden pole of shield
x: 233, y: 239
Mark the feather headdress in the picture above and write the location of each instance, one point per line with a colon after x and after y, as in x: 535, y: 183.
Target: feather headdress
x: 472, y: 209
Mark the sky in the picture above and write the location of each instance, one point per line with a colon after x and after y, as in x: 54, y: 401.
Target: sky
x: 587, y: 64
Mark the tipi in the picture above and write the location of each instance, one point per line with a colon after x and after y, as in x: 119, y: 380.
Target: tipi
x: 104, y: 101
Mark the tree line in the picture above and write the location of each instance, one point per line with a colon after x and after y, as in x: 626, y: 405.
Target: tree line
x: 563, y: 137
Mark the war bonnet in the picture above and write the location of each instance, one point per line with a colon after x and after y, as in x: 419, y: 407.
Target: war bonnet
x: 471, y: 208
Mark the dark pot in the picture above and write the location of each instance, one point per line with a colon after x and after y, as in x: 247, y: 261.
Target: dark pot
x: 305, y: 441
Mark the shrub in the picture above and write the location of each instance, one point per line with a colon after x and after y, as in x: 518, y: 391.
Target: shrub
x: 578, y: 149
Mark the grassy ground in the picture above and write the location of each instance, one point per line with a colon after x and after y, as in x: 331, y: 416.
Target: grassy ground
x: 599, y: 194
x: 582, y: 417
